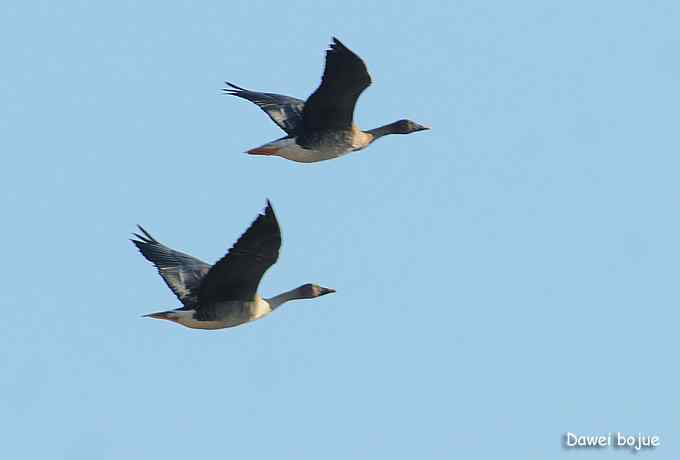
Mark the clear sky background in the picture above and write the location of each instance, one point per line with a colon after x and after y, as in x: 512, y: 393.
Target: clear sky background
x: 502, y: 279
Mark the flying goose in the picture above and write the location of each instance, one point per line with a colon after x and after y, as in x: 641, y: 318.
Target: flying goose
x: 322, y: 127
x: 225, y: 294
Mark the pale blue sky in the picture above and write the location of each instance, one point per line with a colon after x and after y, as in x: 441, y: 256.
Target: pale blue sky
x: 506, y: 277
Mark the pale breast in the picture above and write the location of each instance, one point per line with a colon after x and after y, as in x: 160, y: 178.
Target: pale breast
x: 360, y: 139
x: 233, y: 313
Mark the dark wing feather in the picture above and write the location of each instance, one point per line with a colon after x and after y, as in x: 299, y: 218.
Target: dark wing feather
x: 181, y: 272
x: 237, y: 275
x: 345, y: 77
x: 285, y: 111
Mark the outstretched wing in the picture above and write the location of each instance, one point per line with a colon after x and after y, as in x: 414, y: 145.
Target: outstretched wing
x: 181, y: 272
x: 285, y: 111
x: 237, y: 275
x: 345, y: 77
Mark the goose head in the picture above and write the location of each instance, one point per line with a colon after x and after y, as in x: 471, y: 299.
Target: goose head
x: 407, y: 127
x: 310, y: 291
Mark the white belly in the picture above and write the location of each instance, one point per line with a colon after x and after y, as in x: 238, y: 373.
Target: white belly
x: 290, y: 150
x: 189, y: 322
x: 231, y: 314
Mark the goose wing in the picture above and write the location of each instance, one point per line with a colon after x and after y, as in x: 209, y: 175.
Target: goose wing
x: 181, y: 272
x: 345, y: 77
x: 285, y: 111
x: 237, y: 275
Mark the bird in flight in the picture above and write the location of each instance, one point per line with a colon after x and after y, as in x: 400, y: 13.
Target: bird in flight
x: 322, y: 128
x: 225, y: 294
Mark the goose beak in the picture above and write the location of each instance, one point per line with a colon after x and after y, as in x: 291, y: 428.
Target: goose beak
x: 422, y: 128
x: 325, y: 291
